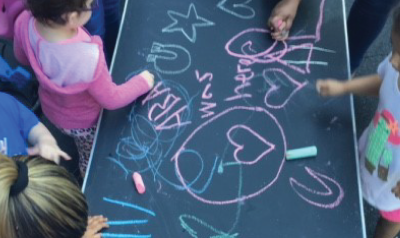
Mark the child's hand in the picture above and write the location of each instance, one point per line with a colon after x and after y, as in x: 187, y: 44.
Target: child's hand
x: 48, y: 150
x: 282, y: 17
x: 330, y: 87
x: 149, y: 77
x: 396, y: 190
x: 95, y: 225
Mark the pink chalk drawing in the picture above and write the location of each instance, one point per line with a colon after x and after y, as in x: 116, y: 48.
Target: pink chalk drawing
x: 243, y: 46
x: 269, y: 162
x: 206, y: 95
x: 297, y: 86
x: 305, y: 192
x: 155, y: 92
x: 240, y: 147
x: 276, y: 52
x: 274, y: 165
x: 206, y: 109
x: 168, y: 117
x: 208, y: 76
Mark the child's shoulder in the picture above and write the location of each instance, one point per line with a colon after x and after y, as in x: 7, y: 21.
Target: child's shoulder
x: 8, y: 103
x: 5, y: 98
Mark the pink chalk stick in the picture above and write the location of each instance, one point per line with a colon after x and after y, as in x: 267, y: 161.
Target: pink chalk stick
x: 137, y: 178
x: 280, y: 23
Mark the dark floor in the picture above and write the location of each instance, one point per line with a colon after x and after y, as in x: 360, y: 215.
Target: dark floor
x: 365, y: 107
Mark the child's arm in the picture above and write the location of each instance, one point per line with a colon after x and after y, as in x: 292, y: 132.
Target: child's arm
x: 95, y: 225
x: 44, y: 144
x: 282, y: 17
x: 367, y: 85
x: 111, y: 96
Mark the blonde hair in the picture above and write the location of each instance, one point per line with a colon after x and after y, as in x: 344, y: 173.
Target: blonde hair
x: 51, y: 206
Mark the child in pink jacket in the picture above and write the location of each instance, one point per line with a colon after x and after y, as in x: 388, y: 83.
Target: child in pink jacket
x: 75, y: 83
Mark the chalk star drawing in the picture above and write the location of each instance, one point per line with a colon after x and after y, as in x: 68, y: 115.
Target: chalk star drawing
x: 188, y: 23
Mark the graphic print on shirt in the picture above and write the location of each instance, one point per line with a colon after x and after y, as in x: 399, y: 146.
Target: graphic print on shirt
x: 3, y: 146
x: 378, y: 154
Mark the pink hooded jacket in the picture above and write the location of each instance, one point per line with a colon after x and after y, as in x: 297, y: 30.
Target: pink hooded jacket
x: 79, y: 105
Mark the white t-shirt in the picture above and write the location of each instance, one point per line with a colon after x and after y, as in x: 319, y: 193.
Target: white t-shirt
x: 380, y: 144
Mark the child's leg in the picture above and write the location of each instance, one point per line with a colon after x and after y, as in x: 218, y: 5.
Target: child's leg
x: 84, y: 141
x: 365, y: 22
x: 388, y: 225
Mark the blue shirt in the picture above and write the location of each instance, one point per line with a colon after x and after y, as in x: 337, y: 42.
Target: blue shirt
x: 16, y: 121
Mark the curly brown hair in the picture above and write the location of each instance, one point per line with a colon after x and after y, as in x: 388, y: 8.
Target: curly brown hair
x: 46, y: 11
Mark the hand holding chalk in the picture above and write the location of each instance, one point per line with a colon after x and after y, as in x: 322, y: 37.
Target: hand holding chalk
x: 330, y: 87
x: 279, y: 30
x: 281, y: 19
x: 137, y: 179
x: 301, y: 153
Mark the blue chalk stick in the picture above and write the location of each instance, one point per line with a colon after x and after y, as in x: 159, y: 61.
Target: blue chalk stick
x: 301, y: 153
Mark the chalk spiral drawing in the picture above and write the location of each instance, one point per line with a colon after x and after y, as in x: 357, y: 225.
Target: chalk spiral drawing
x: 162, y: 141
x: 240, y: 10
x: 180, y: 21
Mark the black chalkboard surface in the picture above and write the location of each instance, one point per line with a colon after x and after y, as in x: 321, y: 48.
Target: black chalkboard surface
x: 209, y: 140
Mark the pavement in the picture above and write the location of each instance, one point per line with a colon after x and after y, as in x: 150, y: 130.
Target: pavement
x: 364, y: 107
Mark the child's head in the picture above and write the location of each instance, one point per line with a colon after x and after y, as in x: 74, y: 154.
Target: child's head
x: 395, y: 60
x: 62, y: 12
x: 39, y: 199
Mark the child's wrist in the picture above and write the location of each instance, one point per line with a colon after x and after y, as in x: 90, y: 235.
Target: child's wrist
x: 345, y: 88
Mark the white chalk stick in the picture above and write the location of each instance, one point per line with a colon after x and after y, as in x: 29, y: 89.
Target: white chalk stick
x: 300, y: 153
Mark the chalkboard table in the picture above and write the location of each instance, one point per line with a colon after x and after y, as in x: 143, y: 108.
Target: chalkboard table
x: 209, y: 139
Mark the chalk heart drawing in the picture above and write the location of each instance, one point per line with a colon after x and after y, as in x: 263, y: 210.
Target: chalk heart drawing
x: 281, y: 89
x: 240, y: 10
x: 241, y: 147
x: 215, y: 152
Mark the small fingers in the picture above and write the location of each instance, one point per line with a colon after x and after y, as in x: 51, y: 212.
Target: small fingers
x: 99, y: 225
x: 64, y: 155
x: 322, y: 87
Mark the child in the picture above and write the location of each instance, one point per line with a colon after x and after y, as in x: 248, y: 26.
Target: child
x: 74, y: 82
x: 39, y: 199
x: 18, y: 125
x: 379, y: 145
x: 282, y: 17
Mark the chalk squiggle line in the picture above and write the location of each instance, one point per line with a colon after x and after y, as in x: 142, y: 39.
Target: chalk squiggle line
x: 221, y: 5
x: 130, y: 205
x: 193, y: 233
x: 114, y: 235
x: 319, y: 177
x: 127, y: 222
x: 267, y: 56
x: 242, y: 198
